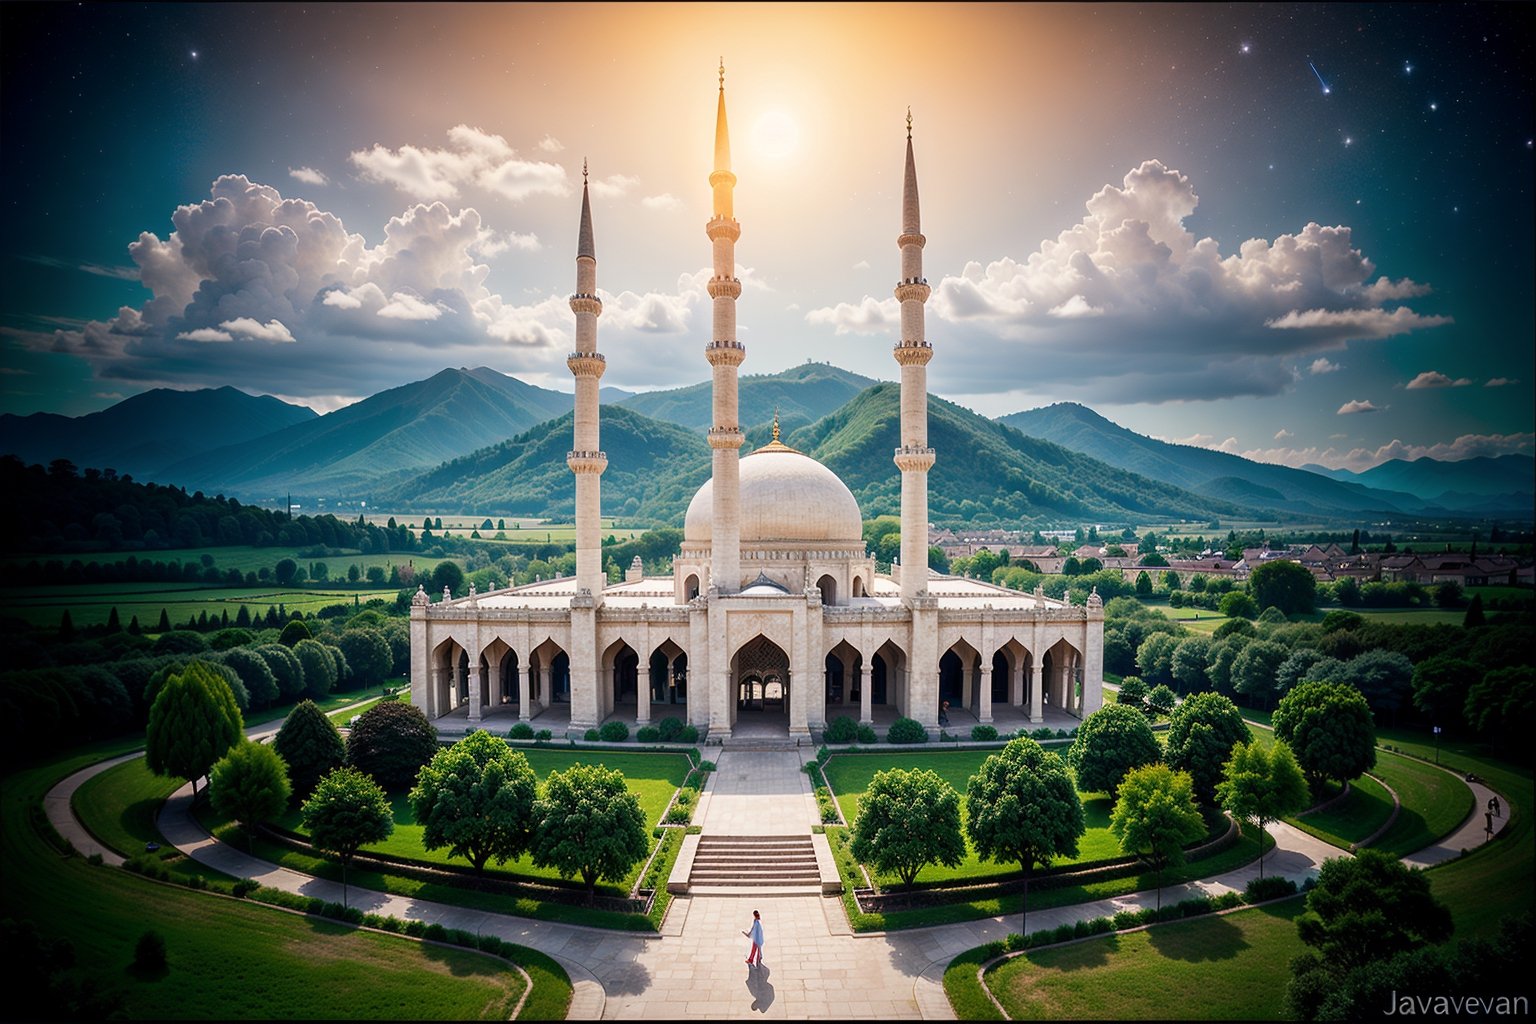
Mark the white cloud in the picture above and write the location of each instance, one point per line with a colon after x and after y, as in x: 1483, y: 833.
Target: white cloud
x: 1322, y: 365
x: 1500, y: 382
x: 1173, y: 318
x: 550, y: 144
x: 341, y: 300
x: 473, y: 157
x: 665, y: 201
x: 488, y: 244
x: 1195, y: 440
x: 272, y: 330
x: 1466, y: 446
x: 206, y: 334
x: 1436, y: 379
x: 404, y: 306
x: 861, y: 265
x: 1358, y: 406
x: 308, y: 175
x: 1282, y: 434
x: 613, y: 186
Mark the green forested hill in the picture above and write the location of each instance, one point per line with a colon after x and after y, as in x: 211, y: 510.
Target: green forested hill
x: 801, y: 394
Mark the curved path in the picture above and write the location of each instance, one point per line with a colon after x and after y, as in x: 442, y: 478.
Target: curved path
x: 815, y: 966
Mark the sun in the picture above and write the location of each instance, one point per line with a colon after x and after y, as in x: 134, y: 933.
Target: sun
x: 776, y: 135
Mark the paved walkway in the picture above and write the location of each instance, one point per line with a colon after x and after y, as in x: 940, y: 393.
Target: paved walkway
x: 815, y: 967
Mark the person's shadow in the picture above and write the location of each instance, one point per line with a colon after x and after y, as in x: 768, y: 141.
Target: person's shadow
x: 760, y: 987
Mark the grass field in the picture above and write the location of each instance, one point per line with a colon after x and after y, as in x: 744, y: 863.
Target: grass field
x: 1357, y: 816
x: 90, y: 604
x: 244, y: 557
x: 1227, y: 967
x: 226, y: 959
x: 1435, y: 803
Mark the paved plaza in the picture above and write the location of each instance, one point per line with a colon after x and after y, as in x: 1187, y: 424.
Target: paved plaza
x: 814, y: 966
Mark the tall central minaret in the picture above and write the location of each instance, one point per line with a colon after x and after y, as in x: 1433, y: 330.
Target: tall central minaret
x: 725, y: 354
x: 586, y: 458
x: 914, y: 458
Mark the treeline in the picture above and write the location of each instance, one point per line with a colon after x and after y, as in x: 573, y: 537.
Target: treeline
x: 61, y: 508
x: 97, y: 683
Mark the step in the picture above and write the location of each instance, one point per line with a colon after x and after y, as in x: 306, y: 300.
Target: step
x: 753, y: 862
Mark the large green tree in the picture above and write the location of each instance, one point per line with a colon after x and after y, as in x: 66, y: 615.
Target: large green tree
x: 254, y: 672
x: 1440, y: 686
x: 346, y: 812
x: 1329, y: 728
x: 1262, y: 785
x: 589, y: 824
x: 391, y: 741
x: 368, y: 655
x: 1155, y: 817
x: 319, y: 668
x: 476, y: 798
x: 311, y: 746
x: 1109, y: 743
x: 193, y: 722
x: 1201, y: 734
x: 1021, y: 807
x: 1289, y: 586
x: 907, y: 820
x: 250, y: 785
x: 1502, y: 704
x: 1255, y: 670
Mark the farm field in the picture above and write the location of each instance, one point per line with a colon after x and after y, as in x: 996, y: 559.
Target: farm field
x: 90, y: 604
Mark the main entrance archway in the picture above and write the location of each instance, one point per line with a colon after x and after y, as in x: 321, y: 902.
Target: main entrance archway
x: 762, y: 687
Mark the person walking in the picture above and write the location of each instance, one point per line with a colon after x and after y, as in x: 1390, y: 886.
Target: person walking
x: 755, y: 933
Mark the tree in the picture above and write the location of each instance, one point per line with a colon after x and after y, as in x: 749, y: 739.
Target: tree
x: 1155, y: 817
x: 1171, y: 581
x: 311, y: 746
x: 391, y: 741
x: 1329, y: 728
x: 346, y: 812
x: 1110, y: 742
x: 907, y: 820
x: 1262, y: 786
x: 319, y: 666
x: 1384, y: 678
x: 250, y: 785
x: 1161, y: 701
x: 476, y: 798
x: 1368, y: 907
x: 1502, y: 704
x: 1474, y: 616
x: 1297, y: 668
x: 589, y: 824
x: 193, y: 722
x: 1188, y: 664
x: 1143, y: 584
x: 447, y: 574
x: 1154, y: 658
x: 1289, y: 586
x: 1021, y: 806
x: 285, y: 668
x: 284, y: 571
x: 1440, y: 686
x: 1133, y: 693
x: 1201, y: 734
x: 1238, y: 605
x: 368, y: 655
x: 1256, y: 668
x: 254, y: 672
x: 293, y: 632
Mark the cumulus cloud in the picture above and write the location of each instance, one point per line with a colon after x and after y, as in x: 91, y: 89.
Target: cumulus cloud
x: 1322, y: 365
x: 1500, y: 382
x: 272, y: 330
x: 206, y: 334
x: 550, y: 144
x: 613, y: 186
x: 1127, y: 305
x: 308, y: 175
x: 404, y: 306
x: 1357, y: 406
x: 472, y: 158
x: 1436, y: 379
x: 488, y: 244
x: 665, y: 201
x: 1466, y: 446
x: 1282, y: 434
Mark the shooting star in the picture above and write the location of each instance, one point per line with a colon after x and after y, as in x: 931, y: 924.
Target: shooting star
x: 1326, y: 89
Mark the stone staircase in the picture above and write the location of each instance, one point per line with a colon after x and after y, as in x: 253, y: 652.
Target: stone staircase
x: 755, y: 862
x: 764, y: 743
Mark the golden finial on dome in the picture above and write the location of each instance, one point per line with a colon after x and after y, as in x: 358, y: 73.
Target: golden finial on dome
x: 775, y: 424
x: 909, y: 122
x: 722, y: 74
x: 583, y: 170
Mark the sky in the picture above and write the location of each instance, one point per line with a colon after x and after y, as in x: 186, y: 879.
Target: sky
x: 1302, y: 233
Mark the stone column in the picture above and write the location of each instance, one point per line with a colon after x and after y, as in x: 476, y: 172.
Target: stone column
x: 986, y: 695
x: 866, y: 685
x: 1016, y: 683
x: 524, y: 672
x: 1036, y: 693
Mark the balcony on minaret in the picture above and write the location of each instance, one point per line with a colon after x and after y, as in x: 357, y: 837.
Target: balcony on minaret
x: 912, y: 353
x: 910, y: 458
x: 582, y: 303
x: 727, y: 286
x: 723, y: 227
x: 586, y: 461
x: 586, y: 364
x: 725, y: 437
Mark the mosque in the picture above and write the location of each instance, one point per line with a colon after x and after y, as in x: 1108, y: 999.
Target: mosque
x: 774, y: 620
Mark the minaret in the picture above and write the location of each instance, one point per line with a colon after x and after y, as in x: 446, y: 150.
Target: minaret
x: 586, y: 458
x: 914, y: 458
x: 725, y: 354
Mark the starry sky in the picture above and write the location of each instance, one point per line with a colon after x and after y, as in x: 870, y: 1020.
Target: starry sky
x: 1303, y: 233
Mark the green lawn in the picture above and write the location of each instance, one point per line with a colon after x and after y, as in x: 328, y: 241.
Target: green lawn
x: 247, y: 558
x: 90, y: 604
x: 1435, y: 803
x: 1227, y: 967
x: 1352, y: 819
x: 227, y: 959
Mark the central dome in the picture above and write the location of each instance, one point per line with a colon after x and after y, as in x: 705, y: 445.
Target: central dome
x: 786, y: 498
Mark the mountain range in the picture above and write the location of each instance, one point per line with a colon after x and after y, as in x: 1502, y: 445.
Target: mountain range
x: 484, y: 442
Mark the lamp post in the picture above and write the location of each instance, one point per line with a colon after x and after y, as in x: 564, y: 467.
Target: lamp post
x: 1437, y: 744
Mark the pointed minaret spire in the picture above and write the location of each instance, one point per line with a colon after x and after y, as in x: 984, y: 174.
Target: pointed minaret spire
x: 586, y: 457
x: 725, y: 354
x: 914, y: 458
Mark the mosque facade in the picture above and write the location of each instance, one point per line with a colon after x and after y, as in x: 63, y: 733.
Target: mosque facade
x: 774, y: 619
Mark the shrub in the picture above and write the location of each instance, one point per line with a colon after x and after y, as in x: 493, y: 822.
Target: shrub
x: 243, y: 888
x: 1195, y: 907
x: 1013, y: 942
x: 1065, y: 933
x: 983, y: 732
x: 906, y: 730
x: 688, y: 734
x: 1272, y: 888
x: 614, y: 731
x: 1045, y: 732
x: 841, y: 729
x: 391, y: 742
x: 415, y: 929
x: 520, y: 731
x: 866, y: 734
x: 648, y: 734
x: 1227, y: 900
x: 591, y: 736
x: 149, y: 952
x: 435, y: 932
x: 543, y: 736
x: 670, y: 729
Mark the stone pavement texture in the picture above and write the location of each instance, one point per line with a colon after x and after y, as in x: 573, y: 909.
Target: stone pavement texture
x: 814, y: 967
